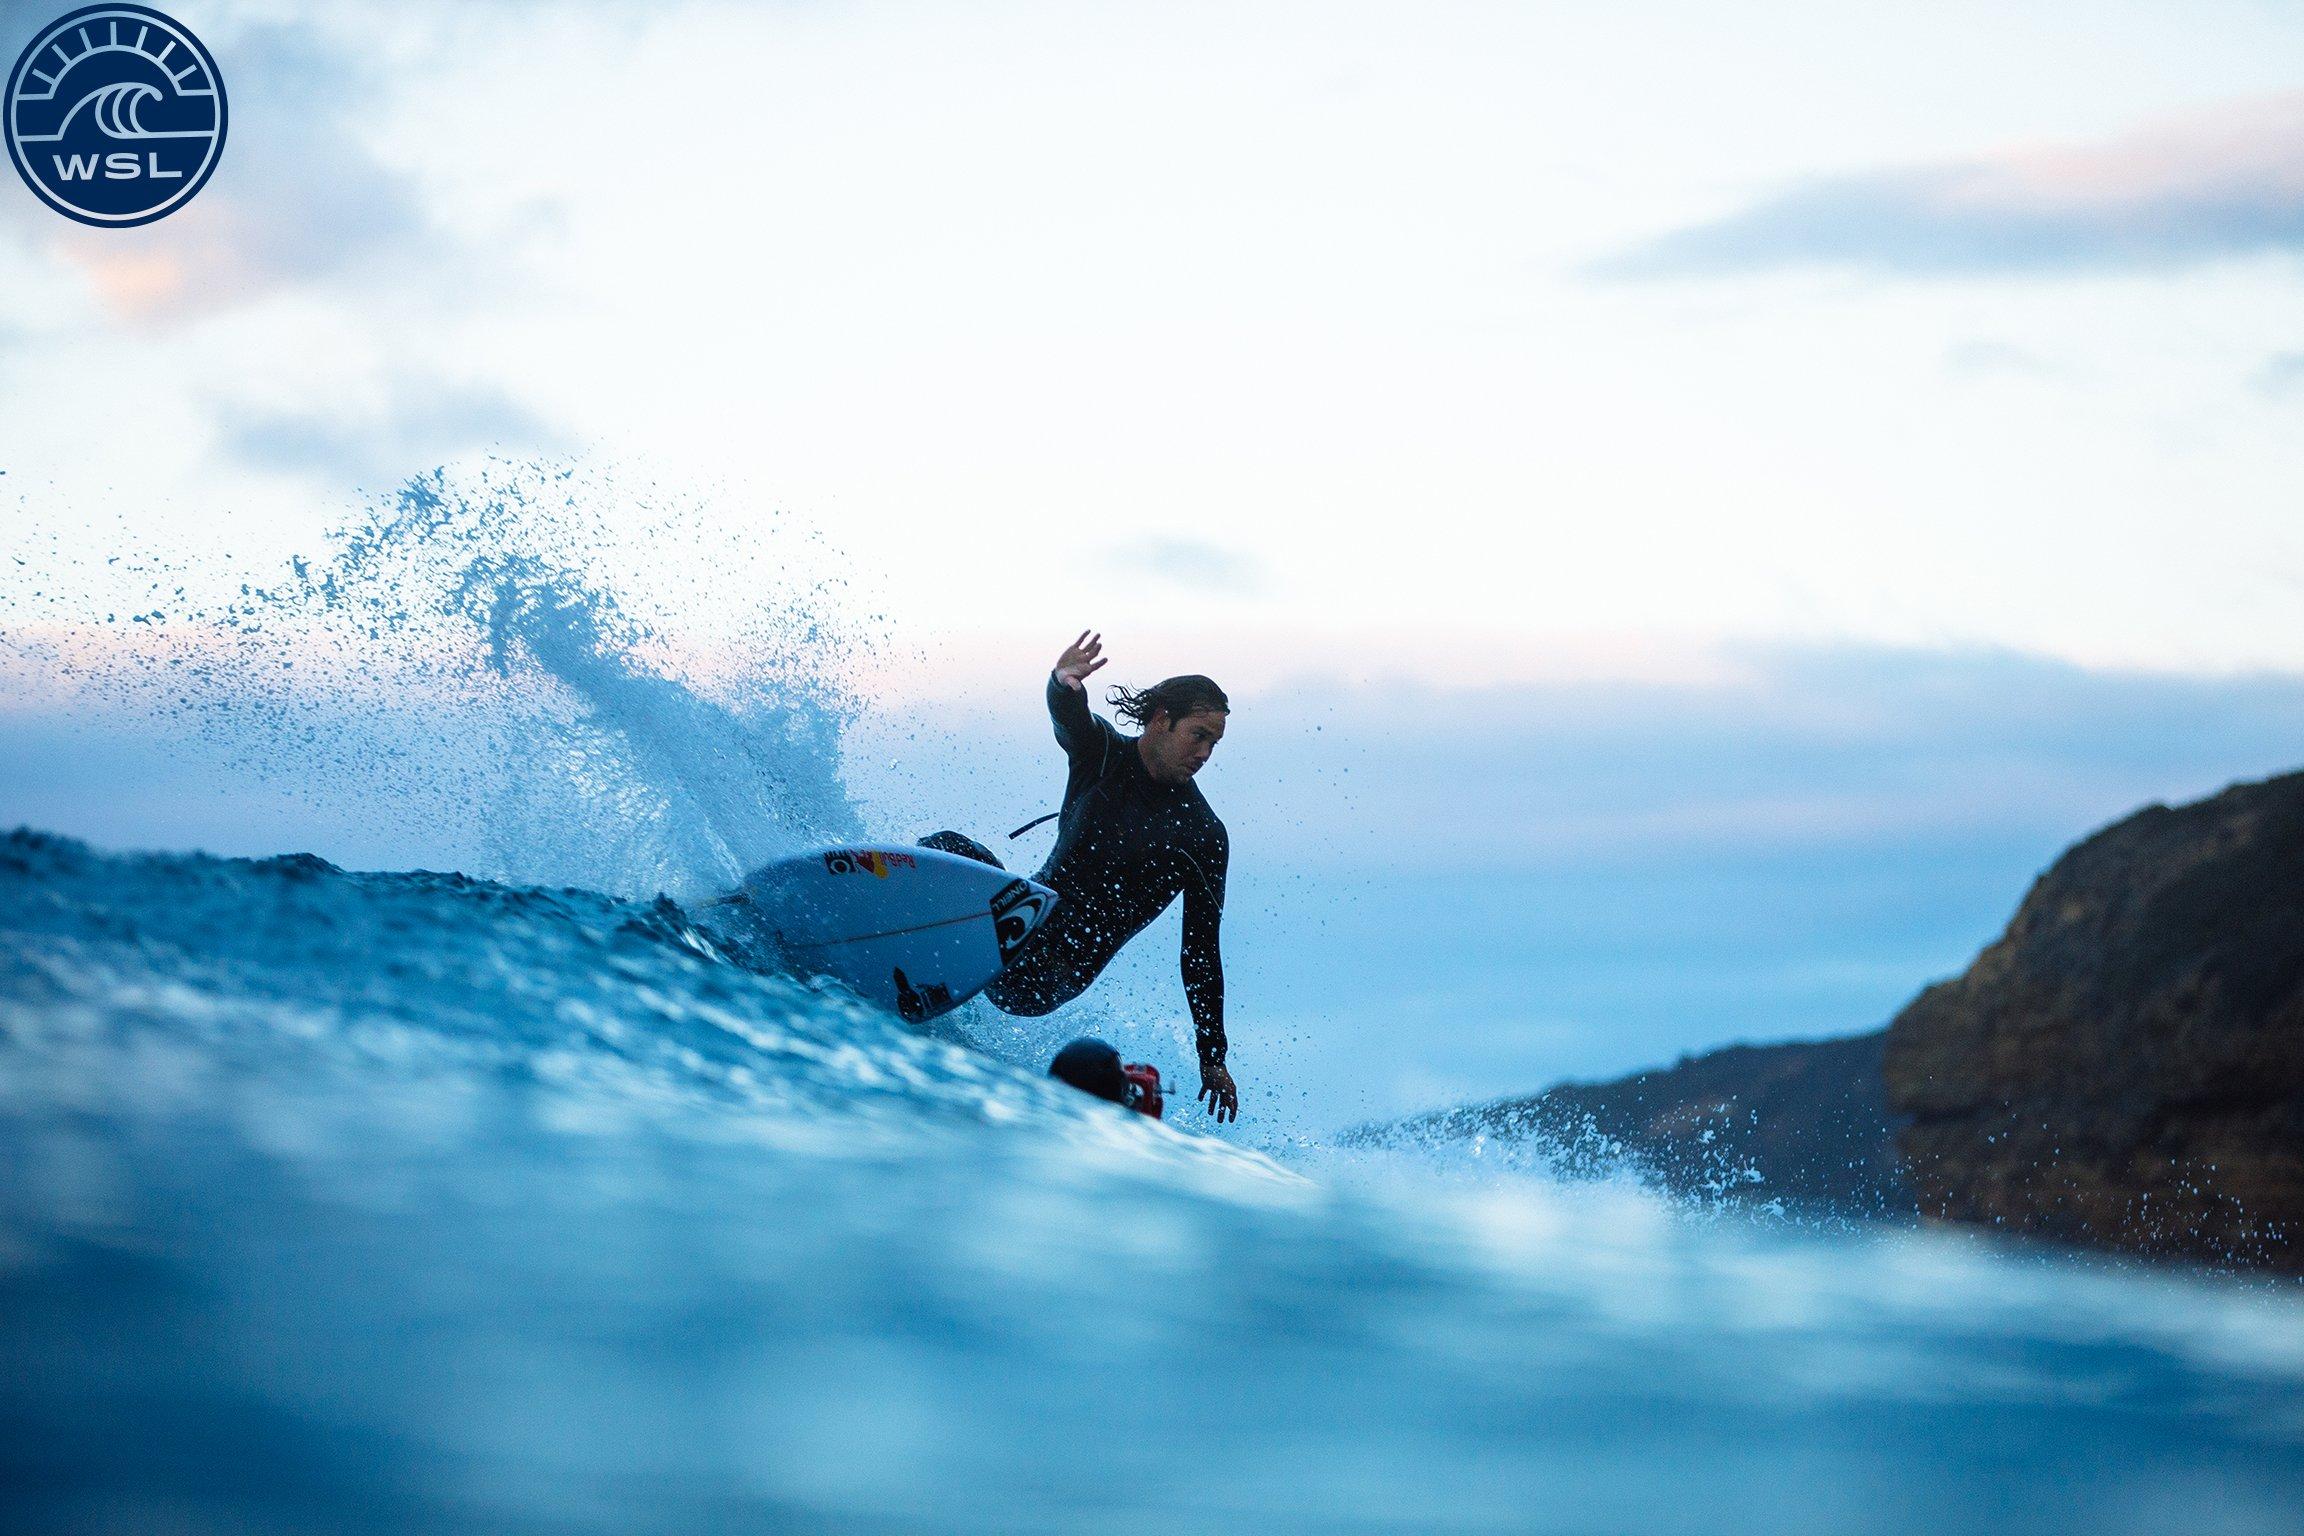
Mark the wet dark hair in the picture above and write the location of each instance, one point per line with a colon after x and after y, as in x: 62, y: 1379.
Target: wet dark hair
x: 1178, y: 696
x: 1093, y: 1067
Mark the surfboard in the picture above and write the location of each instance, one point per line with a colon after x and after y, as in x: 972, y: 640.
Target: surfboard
x: 913, y: 929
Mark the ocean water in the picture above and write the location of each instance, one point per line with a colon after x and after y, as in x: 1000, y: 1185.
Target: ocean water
x: 339, y: 1201
x: 403, y: 1201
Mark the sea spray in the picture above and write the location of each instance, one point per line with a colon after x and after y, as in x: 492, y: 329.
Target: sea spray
x: 524, y: 671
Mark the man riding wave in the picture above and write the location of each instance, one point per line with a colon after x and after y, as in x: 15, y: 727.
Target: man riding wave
x: 1134, y: 834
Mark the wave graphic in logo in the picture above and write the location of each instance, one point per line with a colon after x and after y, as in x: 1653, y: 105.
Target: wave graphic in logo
x: 115, y: 115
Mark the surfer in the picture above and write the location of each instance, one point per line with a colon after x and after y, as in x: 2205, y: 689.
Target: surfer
x: 1134, y: 833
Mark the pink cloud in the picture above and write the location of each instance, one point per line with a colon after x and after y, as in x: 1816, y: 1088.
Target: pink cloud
x: 2211, y: 185
x: 2239, y: 149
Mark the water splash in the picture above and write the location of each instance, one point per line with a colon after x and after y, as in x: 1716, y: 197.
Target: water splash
x: 532, y: 672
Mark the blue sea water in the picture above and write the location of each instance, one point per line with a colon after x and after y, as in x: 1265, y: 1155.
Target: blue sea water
x: 403, y: 1201
x: 337, y: 1201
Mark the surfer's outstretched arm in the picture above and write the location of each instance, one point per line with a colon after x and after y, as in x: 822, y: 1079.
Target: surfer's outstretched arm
x: 1203, y: 961
x: 1076, y: 725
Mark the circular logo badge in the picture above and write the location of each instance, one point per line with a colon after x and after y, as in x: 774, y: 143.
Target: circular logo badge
x: 115, y: 115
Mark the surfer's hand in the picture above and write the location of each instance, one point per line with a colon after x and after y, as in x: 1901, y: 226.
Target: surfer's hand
x: 1222, y: 1099
x: 1080, y: 658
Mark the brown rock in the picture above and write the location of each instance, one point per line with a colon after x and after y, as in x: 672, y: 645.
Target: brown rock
x: 2124, y: 1067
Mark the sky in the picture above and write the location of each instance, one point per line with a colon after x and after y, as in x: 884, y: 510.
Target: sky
x: 1627, y: 437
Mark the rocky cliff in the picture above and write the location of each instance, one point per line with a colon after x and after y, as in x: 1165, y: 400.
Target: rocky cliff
x: 2124, y: 1067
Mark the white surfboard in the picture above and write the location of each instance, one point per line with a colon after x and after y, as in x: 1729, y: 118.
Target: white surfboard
x: 912, y: 929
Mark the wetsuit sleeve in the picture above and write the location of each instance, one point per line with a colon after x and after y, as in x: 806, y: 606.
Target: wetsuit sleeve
x: 1203, y: 954
x: 1078, y: 730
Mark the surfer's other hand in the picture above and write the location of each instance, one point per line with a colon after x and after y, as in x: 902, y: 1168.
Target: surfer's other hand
x: 1080, y: 658
x: 1216, y: 1090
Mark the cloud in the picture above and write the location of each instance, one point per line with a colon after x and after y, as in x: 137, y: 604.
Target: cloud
x: 1981, y: 359
x: 2281, y: 377
x: 1192, y: 563
x: 421, y: 422
x: 1849, y: 746
x: 299, y: 196
x: 2214, y: 185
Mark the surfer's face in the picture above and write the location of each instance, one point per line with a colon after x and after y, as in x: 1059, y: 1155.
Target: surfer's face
x: 1174, y: 750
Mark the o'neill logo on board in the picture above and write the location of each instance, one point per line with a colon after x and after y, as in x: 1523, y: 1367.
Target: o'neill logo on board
x: 115, y: 115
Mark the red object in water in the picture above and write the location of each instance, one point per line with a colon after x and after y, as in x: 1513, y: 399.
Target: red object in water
x: 1143, y: 1088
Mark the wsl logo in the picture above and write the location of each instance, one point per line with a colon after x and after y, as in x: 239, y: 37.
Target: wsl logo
x: 115, y: 115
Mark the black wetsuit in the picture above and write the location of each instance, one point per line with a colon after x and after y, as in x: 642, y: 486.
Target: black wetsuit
x: 1126, y: 846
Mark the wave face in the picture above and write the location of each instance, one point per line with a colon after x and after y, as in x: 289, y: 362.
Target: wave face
x: 413, y: 1202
